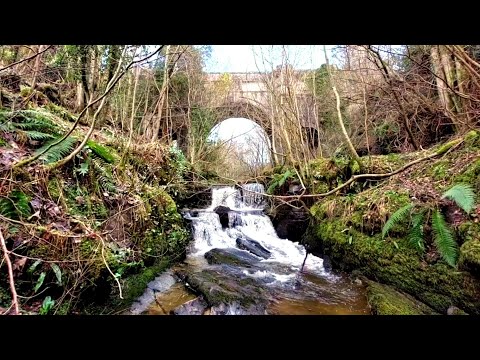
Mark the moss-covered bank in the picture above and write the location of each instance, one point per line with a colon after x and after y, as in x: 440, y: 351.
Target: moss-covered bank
x: 347, y: 227
x: 384, y: 300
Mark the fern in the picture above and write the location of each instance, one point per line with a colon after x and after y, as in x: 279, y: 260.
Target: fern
x: 415, y: 237
x: 30, y: 124
x: 36, y: 135
x: 444, y: 241
x: 59, y: 151
x: 279, y: 180
x: 396, y: 217
x: 15, y: 205
x: 463, y: 196
x: 103, y: 176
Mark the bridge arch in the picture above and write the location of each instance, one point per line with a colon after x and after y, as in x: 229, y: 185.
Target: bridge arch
x: 247, y: 109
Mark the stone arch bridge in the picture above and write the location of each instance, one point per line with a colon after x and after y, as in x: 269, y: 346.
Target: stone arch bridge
x: 248, y: 95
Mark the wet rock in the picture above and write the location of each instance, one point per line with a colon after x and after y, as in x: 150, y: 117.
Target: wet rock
x: 453, y: 310
x: 236, y: 309
x: 384, y: 300
x: 231, y: 256
x: 327, y: 263
x: 222, y: 285
x: 196, y: 306
x: 358, y: 282
x: 143, y: 302
x: 162, y: 283
x: 290, y: 223
x: 222, y: 212
x: 254, y: 247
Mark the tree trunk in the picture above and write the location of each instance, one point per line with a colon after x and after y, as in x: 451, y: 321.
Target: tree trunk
x: 346, y: 138
x: 36, y: 67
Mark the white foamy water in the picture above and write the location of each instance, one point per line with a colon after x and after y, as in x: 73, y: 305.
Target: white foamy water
x: 209, y: 234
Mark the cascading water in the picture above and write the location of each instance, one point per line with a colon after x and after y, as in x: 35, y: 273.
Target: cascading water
x: 313, y: 291
x: 248, y: 220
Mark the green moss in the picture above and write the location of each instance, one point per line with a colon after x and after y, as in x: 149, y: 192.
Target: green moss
x: 386, y: 301
x: 26, y: 91
x: 354, y: 167
x: 102, y: 151
x: 469, y: 259
x: 439, y: 171
x: 135, y: 285
x: 60, y: 112
x: 437, y: 285
x: 445, y: 147
x: 472, y: 138
x: 165, y: 231
x: 471, y: 176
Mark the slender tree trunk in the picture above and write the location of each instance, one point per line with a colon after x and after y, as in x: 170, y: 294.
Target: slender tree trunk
x: 36, y: 67
x: 132, y: 119
x: 346, y: 138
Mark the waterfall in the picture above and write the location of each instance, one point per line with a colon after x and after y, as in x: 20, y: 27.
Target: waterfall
x: 246, y: 220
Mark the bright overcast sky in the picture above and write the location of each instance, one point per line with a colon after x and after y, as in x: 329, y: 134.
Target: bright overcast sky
x: 241, y: 58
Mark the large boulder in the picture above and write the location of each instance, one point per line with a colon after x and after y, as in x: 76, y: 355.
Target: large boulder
x: 231, y: 256
x: 254, y: 247
x: 290, y: 223
x: 223, y: 289
x: 222, y: 212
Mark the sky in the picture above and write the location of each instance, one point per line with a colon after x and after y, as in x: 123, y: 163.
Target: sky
x: 244, y: 133
x: 241, y: 58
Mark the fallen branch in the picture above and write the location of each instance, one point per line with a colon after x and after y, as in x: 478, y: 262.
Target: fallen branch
x: 6, y: 254
x: 443, y: 150
x: 26, y: 59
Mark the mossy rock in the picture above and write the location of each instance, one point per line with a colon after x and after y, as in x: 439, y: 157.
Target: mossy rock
x: 469, y: 259
x: 437, y: 285
x: 385, y: 300
x: 219, y: 286
x: 163, y: 231
x: 231, y: 256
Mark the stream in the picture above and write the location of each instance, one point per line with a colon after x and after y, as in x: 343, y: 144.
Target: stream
x: 237, y: 265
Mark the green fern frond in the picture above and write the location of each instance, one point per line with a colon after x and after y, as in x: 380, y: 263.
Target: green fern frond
x: 415, y: 237
x: 279, y: 180
x: 104, y: 177
x: 284, y: 177
x: 7, y: 208
x: 396, y: 217
x: 272, y: 187
x: 101, y: 151
x: 37, y: 135
x: 32, y: 124
x: 463, y: 196
x: 15, y: 205
x: 443, y: 238
x: 59, y: 151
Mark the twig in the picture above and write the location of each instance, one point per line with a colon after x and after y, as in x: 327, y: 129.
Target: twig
x: 108, y: 268
x: 304, y: 260
x: 10, y: 274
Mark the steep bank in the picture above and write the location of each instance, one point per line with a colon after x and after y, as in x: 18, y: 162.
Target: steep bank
x: 94, y: 229
x: 348, y: 226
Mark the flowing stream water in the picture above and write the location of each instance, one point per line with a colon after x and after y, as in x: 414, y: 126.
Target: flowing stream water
x: 311, y: 291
